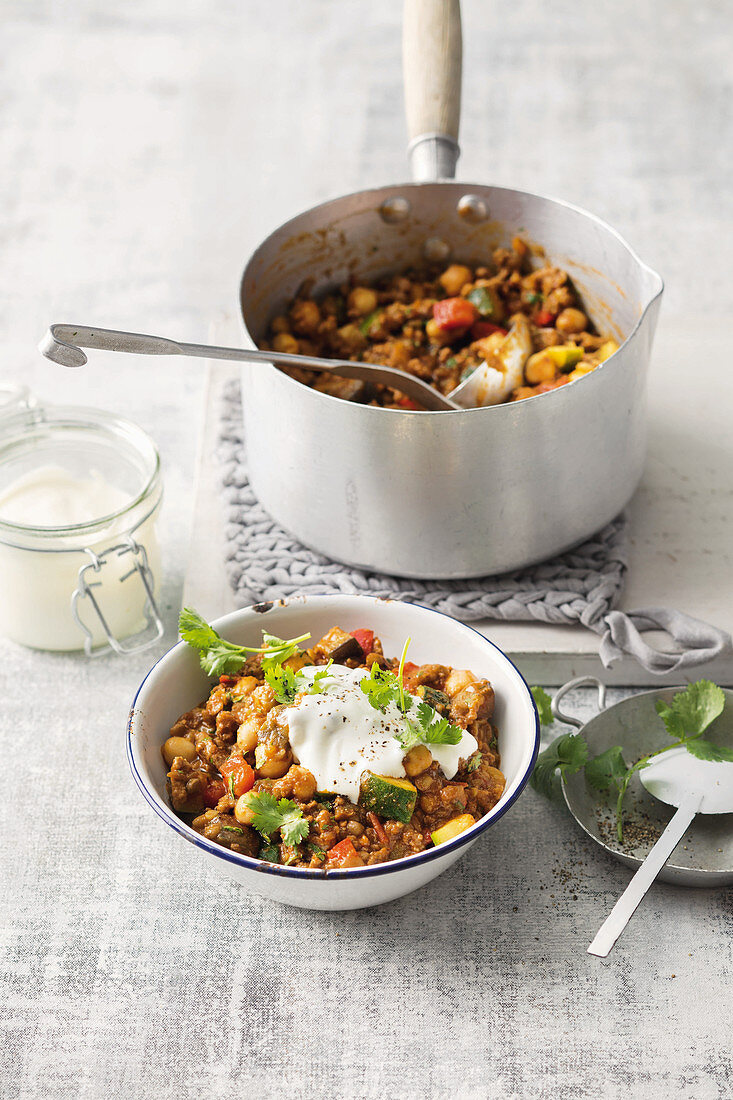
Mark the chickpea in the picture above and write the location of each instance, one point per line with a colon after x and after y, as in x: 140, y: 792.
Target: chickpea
x: 571, y: 320
x: 355, y: 828
x: 247, y: 734
x: 301, y: 783
x: 437, y: 335
x: 428, y: 803
x: 242, y: 812
x: 272, y: 760
x: 245, y: 686
x: 417, y: 760
x: 361, y: 301
x: 305, y: 316
x: 279, y: 324
x: 353, y: 338
x: 454, y: 278
x: 539, y: 368
x: 283, y: 341
x: 178, y: 746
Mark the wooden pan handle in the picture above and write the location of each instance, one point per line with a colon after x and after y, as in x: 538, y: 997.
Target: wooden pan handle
x: 431, y: 51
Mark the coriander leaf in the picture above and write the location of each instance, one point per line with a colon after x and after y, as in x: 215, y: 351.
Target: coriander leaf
x: 474, y: 763
x: 706, y: 750
x: 283, y: 682
x: 607, y: 770
x: 568, y: 753
x: 269, y: 814
x: 692, y: 710
x: 380, y: 687
x: 217, y: 656
x: 270, y: 853
x: 442, y: 733
x: 294, y: 827
x: 543, y: 704
x: 320, y: 676
x: 265, y: 814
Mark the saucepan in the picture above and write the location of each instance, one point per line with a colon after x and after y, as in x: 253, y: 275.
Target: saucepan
x: 448, y: 493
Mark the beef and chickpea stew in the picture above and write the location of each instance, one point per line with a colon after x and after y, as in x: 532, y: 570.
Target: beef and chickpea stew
x: 522, y: 320
x: 332, y: 756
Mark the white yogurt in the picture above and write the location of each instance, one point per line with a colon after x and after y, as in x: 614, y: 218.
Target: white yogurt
x: 337, y: 735
x: 38, y: 576
x: 50, y: 496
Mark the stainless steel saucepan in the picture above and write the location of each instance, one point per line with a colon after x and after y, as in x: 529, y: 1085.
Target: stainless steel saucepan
x: 447, y: 494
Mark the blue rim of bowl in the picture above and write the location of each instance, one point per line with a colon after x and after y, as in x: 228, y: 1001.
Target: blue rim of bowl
x: 315, y: 875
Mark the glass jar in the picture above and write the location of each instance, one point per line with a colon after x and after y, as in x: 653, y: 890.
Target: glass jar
x: 85, y: 584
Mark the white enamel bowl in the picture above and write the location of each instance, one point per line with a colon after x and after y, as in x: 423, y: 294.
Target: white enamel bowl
x: 176, y: 683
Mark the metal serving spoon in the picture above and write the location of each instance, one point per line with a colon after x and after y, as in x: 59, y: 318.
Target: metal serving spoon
x: 695, y: 787
x: 63, y: 344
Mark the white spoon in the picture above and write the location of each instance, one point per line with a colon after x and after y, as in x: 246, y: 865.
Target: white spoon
x: 695, y: 787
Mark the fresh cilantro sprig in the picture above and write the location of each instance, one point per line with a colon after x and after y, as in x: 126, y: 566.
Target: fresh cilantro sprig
x: 218, y: 656
x: 286, y: 683
x: 424, y: 725
x: 381, y: 687
x: 566, y: 754
x: 685, y: 718
x: 270, y: 814
x: 544, y: 705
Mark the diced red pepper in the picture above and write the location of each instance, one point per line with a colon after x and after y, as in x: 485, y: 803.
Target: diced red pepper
x: 453, y: 313
x: 378, y: 828
x: 227, y: 680
x: 407, y: 403
x: 544, y: 318
x: 214, y: 791
x: 365, y: 638
x: 238, y: 775
x: 485, y: 328
x: 344, y: 854
x: 409, y: 668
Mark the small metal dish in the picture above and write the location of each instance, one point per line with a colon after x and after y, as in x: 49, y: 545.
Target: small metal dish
x: 705, y: 855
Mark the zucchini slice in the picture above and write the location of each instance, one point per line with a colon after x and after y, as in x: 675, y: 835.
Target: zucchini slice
x: 391, y: 798
x: 452, y: 828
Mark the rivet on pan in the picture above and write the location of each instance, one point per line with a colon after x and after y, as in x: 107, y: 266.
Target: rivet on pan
x: 472, y: 208
x: 394, y: 210
x: 436, y: 250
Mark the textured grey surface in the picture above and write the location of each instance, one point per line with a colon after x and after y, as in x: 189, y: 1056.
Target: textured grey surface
x: 146, y: 148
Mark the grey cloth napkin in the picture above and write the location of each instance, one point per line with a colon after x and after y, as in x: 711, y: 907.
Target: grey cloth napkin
x: 582, y: 585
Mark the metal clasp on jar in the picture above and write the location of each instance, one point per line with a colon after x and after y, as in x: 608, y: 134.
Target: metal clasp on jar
x: 153, y: 629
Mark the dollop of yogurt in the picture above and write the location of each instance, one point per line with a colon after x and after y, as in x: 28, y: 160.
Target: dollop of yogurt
x: 338, y: 735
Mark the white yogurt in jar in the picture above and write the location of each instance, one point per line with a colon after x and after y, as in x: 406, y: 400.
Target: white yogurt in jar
x: 75, y: 484
x: 52, y: 497
x: 337, y: 735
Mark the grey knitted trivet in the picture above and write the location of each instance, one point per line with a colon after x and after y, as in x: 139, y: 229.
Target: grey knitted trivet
x: 581, y: 586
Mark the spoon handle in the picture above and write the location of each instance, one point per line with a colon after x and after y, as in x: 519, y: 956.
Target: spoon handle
x: 625, y: 907
x: 63, y: 344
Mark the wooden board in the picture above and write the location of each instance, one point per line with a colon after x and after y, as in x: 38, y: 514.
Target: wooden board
x: 681, y: 516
